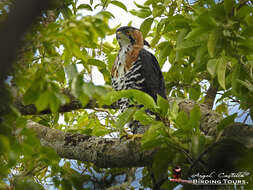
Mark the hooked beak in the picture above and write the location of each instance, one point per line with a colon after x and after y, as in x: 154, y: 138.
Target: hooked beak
x: 118, y: 34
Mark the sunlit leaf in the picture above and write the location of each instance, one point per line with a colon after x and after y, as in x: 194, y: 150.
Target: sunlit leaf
x: 96, y: 62
x: 143, y: 13
x: 173, y: 111
x: 71, y: 71
x: 163, y: 105
x: 211, y: 66
x: 99, y: 130
x: 195, y: 32
x: 85, y: 6
x: 43, y: 101
x: 150, y: 138
x: 142, y: 117
x: 235, y: 76
x: 180, y: 40
x: 158, y: 10
x: 132, y: 94
x: 125, y: 117
x: 182, y: 120
x: 145, y: 26
x: 54, y: 102
x: 221, y: 71
x: 212, y: 42
x: 106, y: 14
x: 119, y: 4
x: 195, y: 116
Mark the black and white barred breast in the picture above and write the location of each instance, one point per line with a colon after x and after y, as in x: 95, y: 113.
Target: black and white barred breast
x: 127, y: 79
x: 143, y: 74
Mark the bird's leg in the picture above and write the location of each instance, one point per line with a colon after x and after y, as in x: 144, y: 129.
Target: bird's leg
x: 133, y: 136
x: 129, y: 136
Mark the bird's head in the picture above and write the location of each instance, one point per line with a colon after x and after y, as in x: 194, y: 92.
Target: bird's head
x: 128, y: 35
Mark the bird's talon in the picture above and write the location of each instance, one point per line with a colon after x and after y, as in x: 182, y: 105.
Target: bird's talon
x: 132, y: 137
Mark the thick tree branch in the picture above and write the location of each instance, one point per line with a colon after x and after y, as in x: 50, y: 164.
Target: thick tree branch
x: 103, y: 152
x: 74, y: 104
x: 209, y: 118
x: 114, y: 152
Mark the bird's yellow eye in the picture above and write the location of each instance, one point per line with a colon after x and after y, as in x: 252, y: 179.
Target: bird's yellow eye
x: 127, y: 32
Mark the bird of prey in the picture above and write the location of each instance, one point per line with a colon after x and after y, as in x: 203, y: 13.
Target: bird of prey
x: 135, y: 67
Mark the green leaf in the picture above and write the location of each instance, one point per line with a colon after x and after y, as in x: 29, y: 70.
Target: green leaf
x: 228, y: 6
x: 66, y: 12
x: 180, y: 40
x: 4, y: 144
x: 143, y: 98
x: 163, y: 105
x: 33, y: 92
x: 141, y: 6
x: 125, y: 117
x: 195, y: 117
x: 99, y: 130
x: 181, y: 121
x: 197, y: 145
x: 132, y: 94
x: 145, y: 26
x: 196, y: 32
x: 165, y: 49
x: 235, y: 76
x: 106, y: 14
x: 71, y: 71
x: 142, y: 117
x: 83, y: 98
x: 206, y: 20
x: 85, y: 6
x: 173, y: 110
x: 211, y: 66
x: 221, y: 71
x: 161, y: 162
x: 150, y: 138
x: 158, y: 10
x: 119, y: 4
x: 226, y: 121
x: 195, y: 92
x: 176, y: 22
x: 142, y: 13
x: 212, y: 42
x: 66, y: 184
x: 54, y: 102
x: 222, y: 109
x: 156, y: 39
x: 247, y: 84
x: 76, y: 86
x: 43, y: 101
x: 97, y: 63
x: 188, y: 44
x: 89, y: 89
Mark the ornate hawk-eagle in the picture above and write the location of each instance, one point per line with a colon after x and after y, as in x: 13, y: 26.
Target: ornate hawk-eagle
x: 135, y: 67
